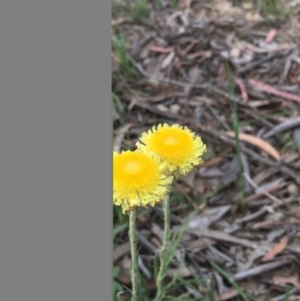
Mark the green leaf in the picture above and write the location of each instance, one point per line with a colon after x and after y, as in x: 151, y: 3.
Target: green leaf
x: 116, y: 271
x: 119, y: 229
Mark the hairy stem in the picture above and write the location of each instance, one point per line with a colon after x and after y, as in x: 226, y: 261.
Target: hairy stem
x: 164, y: 260
x: 166, y: 208
x: 134, y: 255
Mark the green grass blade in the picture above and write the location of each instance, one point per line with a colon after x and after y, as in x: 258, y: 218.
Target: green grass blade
x: 287, y: 294
x: 119, y: 229
x: 230, y: 280
x: 236, y: 130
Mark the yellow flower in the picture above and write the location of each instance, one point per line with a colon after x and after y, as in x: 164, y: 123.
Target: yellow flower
x: 180, y: 148
x: 139, y: 179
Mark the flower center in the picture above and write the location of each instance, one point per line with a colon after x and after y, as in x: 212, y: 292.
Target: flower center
x: 132, y: 167
x: 135, y: 172
x: 172, y: 144
x: 171, y: 141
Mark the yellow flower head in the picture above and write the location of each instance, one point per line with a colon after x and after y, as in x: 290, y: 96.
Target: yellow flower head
x: 139, y: 179
x: 180, y: 148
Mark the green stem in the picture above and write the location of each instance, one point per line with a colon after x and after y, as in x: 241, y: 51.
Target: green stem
x: 164, y: 261
x: 166, y: 208
x: 134, y: 255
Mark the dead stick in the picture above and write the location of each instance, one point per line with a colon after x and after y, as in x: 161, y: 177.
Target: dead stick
x: 259, y: 270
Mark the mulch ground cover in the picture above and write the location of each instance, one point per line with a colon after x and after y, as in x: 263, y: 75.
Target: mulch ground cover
x: 232, y: 75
